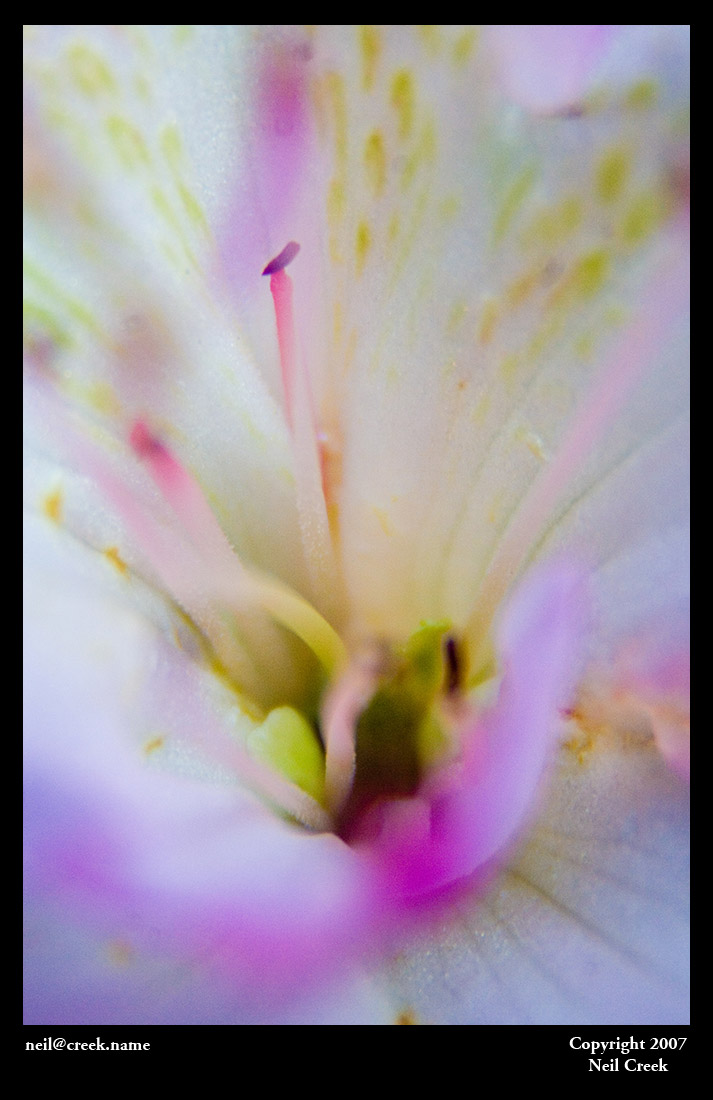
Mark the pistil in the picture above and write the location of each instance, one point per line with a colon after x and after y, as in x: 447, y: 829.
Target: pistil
x: 301, y: 419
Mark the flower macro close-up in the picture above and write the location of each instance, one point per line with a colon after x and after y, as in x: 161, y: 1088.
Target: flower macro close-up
x: 356, y: 599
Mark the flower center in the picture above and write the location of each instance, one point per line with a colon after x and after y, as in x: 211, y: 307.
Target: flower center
x: 403, y: 729
x: 382, y: 721
x: 335, y: 730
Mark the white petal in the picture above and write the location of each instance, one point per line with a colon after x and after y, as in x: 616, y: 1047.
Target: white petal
x: 481, y: 263
x: 136, y: 793
x: 133, y: 134
x: 589, y: 923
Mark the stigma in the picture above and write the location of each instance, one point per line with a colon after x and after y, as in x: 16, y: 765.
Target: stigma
x: 280, y: 262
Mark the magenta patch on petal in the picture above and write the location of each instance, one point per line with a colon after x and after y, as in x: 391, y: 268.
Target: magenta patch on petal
x: 117, y: 843
x: 473, y: 810
x: 270, y: 184
x: 282, y: 91
x: 548, y: 68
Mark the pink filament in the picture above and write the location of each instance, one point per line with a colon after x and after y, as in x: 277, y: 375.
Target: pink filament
x: 281, y: 290
x: 186, y: 498
x: 302, y: 422
x: 340, y: 714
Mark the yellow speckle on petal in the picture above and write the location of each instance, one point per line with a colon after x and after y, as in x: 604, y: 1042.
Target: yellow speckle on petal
x: 513, y: 200
x: 408, y: 1016
x: 370, y: 46
x: 584, y: 346
x: 643, y: 217
x: 488, y: 320
x: 384, y: 521
x: 75, y: 309
x: 338, y: 106
x: 143, y: 88
x: 570, y: 214
x: 543, y: 335
x: 481, y: 410
x: 590, y: 273
x: 338, y: 322
x: 641, y: 95
x: 430, y: 34
x: 522, y: 288
x: 102, y: 398
x: 336, y: 202
x: 582, y: 743
x: 193, y: 208
x: 449, y: 208
x: 41, y: 324
x: 153, y: 745
x: 182, y: 33
x: 90, y: 72
x: 120, y: 953
x: 463, y: 46
x: 423, y: 153
x: 350, y: 352
x: 509, y: 367
x: 363, y: 244
x: 112, y: 554
x: 375, y: 161
x: 330, y: 458
x: 403, y: 100
x: 128, y: 142
x: 456, y: 316
x: 553, y: 226
x: 52, y: 505
x: 165, y: 209
x: 171, y: 145
x: 611, y: 175
x: 533, y: 442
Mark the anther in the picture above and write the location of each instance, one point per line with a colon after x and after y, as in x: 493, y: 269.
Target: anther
x: 453, y: 669
x: 282, y: 259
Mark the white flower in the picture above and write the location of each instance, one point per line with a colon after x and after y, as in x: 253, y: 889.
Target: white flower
x: 305, y: 606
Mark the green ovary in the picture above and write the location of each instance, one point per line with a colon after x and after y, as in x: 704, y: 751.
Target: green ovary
x: 398, y: 734
x: 288, y: 743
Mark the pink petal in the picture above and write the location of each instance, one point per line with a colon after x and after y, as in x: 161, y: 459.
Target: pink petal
x: 268, y: 185
x: 547, y: 67
x: 170, y: 864
x: 430, y: 842
x: 587, y: 923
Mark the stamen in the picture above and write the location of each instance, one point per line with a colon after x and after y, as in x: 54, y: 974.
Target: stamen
x: 230, y: 580
x: 184, y: 573
x: 299, y: 409
x: 281, y: 290
x: 299, y: 616
x: 340, y: 714
x: 453, y: 669
x: 185, y: 497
